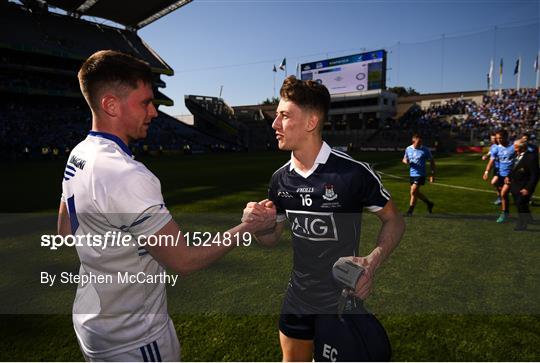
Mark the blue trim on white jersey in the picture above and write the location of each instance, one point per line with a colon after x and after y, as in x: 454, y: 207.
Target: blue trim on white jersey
x: 73, y: 220
x: 139, y: 221
x: 114, y: 138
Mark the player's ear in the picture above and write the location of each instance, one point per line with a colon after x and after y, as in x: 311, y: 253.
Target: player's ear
x: 313, y: 122
x: 109, y: 104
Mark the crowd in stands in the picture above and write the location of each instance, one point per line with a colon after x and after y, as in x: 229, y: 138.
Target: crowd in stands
x: 466, y: 121
x: 516, y: 111
x: 50, y: 127
x: 40, y: 129
x: 45, y: 82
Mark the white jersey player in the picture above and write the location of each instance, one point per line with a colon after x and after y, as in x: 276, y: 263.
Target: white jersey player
x: 106, y: 192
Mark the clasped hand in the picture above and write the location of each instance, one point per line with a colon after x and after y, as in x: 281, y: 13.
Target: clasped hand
x: 260, y: 216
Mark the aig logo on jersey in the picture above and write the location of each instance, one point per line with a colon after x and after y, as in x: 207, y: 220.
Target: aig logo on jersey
x: 329, y: 193
x: 314, y: 226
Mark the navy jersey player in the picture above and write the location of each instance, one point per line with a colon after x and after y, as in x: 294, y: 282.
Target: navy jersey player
x: 415, y: 157
x: 322, y: 193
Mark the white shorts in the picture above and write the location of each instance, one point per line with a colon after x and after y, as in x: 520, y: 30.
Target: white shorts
x: 166, y: 348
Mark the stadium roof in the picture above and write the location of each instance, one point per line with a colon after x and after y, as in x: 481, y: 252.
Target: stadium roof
x: 123, y: 12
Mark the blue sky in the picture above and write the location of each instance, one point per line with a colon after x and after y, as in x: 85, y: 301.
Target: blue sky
x: 235, y: 44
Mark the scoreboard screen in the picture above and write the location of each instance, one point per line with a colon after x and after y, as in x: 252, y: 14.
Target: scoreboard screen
x: 352, y: 73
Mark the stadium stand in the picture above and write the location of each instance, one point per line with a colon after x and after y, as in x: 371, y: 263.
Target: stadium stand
x: 60, y: 35
x: 43, y: 114
x: 214, y: 117
x: 445, y: 120
x: 453, y: 122
x: 59, y: 123
x: 43, y: 110
x: 258, y: 121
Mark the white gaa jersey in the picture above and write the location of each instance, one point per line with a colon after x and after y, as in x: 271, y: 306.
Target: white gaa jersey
x: 106, y: 190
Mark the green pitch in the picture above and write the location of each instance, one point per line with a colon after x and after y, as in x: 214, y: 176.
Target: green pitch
x: 459, y: 287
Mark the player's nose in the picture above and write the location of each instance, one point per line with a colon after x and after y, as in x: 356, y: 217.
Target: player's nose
x: 153, y: 111
x: 277, y: 123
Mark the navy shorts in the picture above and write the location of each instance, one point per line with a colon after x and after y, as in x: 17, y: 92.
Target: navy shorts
x: 419, y: 180
x: 359, y: 336
x: 500, y: 181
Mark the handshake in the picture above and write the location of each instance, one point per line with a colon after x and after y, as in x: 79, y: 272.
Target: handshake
x: 259, y: 217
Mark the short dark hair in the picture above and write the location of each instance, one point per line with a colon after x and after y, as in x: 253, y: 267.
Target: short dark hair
x: 503, y: 133
x: 109, y: 68
x: 309, y: 95
x: 417, y: 136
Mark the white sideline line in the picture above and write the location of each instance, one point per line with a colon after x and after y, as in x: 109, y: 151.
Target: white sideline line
x: 448, y: 185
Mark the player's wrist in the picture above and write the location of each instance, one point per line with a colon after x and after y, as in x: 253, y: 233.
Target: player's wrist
x: 375, y: 258
x: 266, y: 232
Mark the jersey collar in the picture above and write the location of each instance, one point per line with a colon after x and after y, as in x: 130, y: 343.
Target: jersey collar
x: 321, y: 158
x: 114, y: 138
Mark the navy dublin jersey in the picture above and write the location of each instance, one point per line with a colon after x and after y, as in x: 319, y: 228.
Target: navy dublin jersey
x: 324, y: 207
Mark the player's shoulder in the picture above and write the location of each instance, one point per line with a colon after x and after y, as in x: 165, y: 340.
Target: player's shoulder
x: 426, y: 149
x: 117, y: 169
x: 343, y: 162
x: 282, y: 169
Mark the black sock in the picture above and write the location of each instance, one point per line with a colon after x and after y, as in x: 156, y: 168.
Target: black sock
x: 411, y: 209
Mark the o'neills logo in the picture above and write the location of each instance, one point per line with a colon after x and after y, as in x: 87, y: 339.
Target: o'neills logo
x: 329, y: 193
x: 284, y: 194
x: 77, y: 162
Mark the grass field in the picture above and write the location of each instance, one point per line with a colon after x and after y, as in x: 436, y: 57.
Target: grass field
x: 459, y: 287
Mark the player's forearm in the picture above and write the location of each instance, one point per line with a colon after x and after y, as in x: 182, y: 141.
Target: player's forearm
x: 489, y: 165
x: 63, y: 224
x: 198, y: 258
x: 186, y: 259
x: 270, y: 238
x: 389, y: 237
